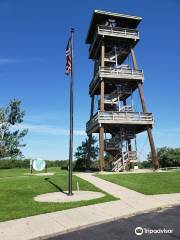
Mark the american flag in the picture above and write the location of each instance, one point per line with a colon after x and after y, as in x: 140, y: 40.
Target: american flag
x: 68, y: 57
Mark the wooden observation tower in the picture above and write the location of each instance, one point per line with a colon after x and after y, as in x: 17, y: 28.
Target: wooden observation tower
x: 112, y: 38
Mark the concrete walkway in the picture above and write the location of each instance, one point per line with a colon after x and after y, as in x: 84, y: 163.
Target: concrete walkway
x: 51, y: 224
x: 130, y: 197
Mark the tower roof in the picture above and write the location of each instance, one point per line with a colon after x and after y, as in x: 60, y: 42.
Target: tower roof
x: 102, y: 16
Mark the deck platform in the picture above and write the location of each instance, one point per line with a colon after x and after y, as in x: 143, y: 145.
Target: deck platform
x: 136, y: 120
x: 113, y: 76
x: 123, y: 36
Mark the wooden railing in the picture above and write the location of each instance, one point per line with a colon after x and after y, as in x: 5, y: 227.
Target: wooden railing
x: 123, y: 72
x: 117, y: 163
x: 114, y: 31
x: 116, y: 116
x: 119, y: 117
x: 129, y: 156
x: 114, y: 72
x: 121, y: 159
x: 126, y: 109
x: 118, y: 31
x: 132, y: 155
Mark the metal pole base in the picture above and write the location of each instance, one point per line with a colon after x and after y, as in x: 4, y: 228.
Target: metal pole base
x: 70, y: 194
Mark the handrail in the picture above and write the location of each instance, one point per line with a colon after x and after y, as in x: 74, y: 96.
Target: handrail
x: 118, y: 165
x: 121, y: 159
x: 126, y: 109
x: 120, y: 70
x: 118, y: 160
x: 137, y: 116
x: 116, y: 72
x: 118, y: 30
x: 118, y: 156
x: 123, y: 32
x: 113, y: 116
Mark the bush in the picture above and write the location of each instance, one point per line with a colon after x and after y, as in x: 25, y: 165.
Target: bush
x: 144, y: 164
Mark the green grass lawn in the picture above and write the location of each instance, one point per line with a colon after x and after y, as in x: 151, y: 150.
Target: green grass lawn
x: 147, y: 183
x: 21, y: 171
x: 17, y: 193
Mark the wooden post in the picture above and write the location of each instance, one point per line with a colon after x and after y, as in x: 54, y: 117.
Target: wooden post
x: 129, y: 140
x: 101, y: 149
x: 88, y: 160
x: 101, y: 130
x: 153, y: 149
x: 149, y: 132
x: 102, y: 96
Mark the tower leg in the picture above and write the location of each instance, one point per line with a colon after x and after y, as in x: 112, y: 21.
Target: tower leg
x: 88, y: 160
x: 153, y: 149
x: 101, y: 130
x: 101, y: 148
x: 149, y: 132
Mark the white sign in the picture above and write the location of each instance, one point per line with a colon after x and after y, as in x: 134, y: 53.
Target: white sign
x: 39, y: 164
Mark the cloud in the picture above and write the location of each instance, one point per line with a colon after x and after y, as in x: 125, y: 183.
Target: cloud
x: 43, y: 117
x: 47, y: 129
x: 6, y: 61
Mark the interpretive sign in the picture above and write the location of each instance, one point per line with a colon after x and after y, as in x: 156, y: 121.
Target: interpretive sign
x: 39, y: 164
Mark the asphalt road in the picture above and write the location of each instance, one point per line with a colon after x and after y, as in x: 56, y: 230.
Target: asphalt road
x: 168, y: 219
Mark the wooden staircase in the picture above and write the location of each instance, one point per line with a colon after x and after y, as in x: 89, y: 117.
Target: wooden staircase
x: 121, y: 159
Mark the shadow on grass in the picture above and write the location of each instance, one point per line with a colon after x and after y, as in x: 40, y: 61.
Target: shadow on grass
x: 55, y: 185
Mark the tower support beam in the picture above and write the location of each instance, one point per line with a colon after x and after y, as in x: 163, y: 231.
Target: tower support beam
x: 101, y: 130
x: 101, y: 148
x: 149, y: 132
x: 88, y: 160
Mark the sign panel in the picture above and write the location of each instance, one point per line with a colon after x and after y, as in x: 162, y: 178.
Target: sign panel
x: 39, y: 164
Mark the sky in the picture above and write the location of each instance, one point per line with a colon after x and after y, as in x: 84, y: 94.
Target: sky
x: 33, y: 40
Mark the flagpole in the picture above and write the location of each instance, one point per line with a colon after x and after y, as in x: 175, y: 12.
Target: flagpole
x: 71, y: 116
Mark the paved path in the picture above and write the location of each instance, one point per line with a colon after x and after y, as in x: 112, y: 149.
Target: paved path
x: 51, y: 224
x: 132, y: 198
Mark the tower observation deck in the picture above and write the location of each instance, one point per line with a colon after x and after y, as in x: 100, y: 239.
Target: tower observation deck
x: 112, y: 38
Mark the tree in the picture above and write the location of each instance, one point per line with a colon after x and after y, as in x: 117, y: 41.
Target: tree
x: 82, y: 152
x: 168, y: 157
x: 10, y: 136
x: 145, y: 164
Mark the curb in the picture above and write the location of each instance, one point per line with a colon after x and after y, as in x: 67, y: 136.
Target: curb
x: 111, y: 219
